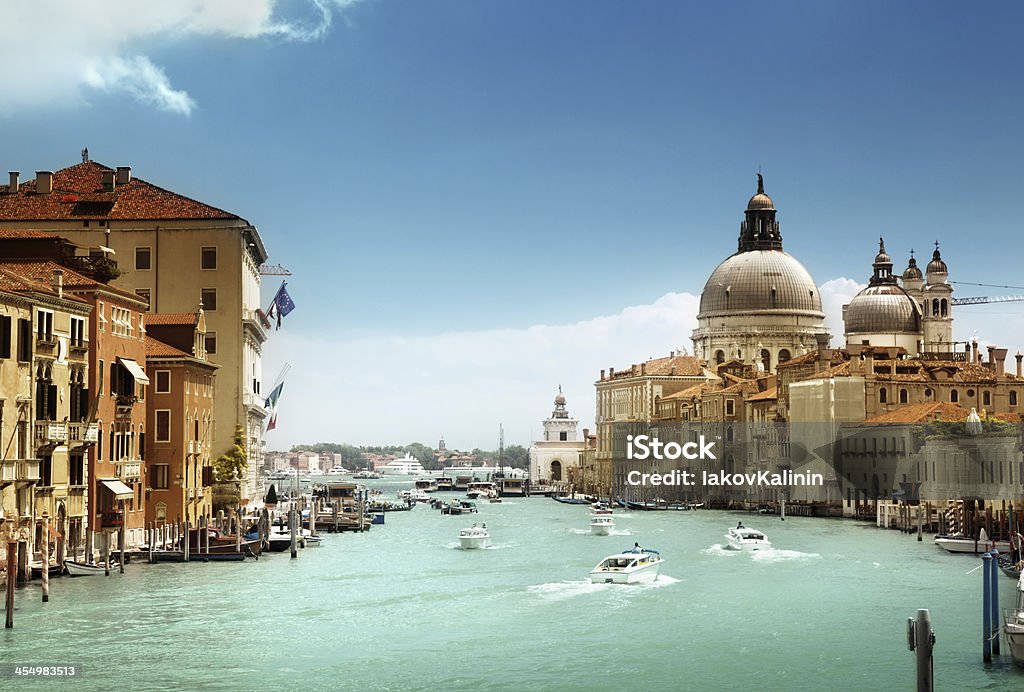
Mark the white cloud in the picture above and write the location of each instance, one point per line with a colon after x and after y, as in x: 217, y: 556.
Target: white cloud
x: 67, y: 47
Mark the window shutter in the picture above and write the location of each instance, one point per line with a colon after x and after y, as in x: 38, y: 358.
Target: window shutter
x: 51, y: 401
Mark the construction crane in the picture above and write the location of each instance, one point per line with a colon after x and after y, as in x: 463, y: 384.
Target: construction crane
x: 983, y: 300
x: 274, y: 270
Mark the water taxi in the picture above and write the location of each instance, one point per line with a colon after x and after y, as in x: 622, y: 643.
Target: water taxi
x: 476, y: 536
x: 601, y: 524
x: 634, y: 566
x: 742, y: 538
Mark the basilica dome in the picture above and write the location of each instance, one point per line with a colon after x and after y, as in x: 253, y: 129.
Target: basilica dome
x: 882, y: 309
x: 759, y: 280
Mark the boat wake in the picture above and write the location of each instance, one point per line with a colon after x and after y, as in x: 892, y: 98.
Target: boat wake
x: 719, y: 549
x: 777, y: 555
x: 622, y: 532
x: 563, y: 590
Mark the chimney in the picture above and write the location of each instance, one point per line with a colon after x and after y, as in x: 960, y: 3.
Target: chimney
x: 108, y: 181
x: 974, y: 347
x: 12, y: 188
x: 643, y: 368
x: 1000, y: 361
x: 1019, y: 357
x: 44, y: 182
x: 602, y: 375
x: 991, y: 358
x: 124, y: 175
x: 58, y: 282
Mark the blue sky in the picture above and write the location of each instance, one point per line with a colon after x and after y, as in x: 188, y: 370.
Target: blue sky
x: 480, y: 201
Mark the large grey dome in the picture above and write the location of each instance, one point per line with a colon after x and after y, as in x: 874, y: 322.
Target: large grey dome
x: 760, y: 281
x: 882, y: 309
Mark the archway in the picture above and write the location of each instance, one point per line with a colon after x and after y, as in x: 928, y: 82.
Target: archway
x: 556, y: 470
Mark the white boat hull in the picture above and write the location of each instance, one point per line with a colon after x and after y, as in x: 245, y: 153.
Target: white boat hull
x: 474, y: 542
x: 600, y: 529
x: 967, y: 545
x: 1014, y: 629
x: 639, y: 575
x: 748, y: 546
x: 78, y: 569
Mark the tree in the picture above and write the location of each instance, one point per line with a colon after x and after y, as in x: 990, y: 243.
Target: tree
x: 516, y: 455
x: 232, y: 464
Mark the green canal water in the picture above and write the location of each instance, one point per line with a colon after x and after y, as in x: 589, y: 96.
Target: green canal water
x: 402, y: 608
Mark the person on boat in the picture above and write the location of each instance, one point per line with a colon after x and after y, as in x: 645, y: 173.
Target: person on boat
x: 739, y: 525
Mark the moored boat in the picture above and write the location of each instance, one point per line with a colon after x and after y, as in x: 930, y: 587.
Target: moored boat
x: 601, y: 524
x: 1013, y: 626
x: 81, y: 569
x: 634, y: 566
x: 959, y: 543
x: 742, y: 538
x: 474, y: 537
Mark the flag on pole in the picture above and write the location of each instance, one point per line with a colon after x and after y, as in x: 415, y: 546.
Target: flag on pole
x: 283, y: 303
x: 275, y: 394
x: 273, y: 422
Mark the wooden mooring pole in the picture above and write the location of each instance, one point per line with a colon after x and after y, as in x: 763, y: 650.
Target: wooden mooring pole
x: 994, y: 613
x: 12, y: 560
x: 986, y: 607
x: 921, y: 640
x: 46, y: 558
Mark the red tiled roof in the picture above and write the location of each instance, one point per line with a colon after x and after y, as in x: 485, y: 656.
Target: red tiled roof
x: 26, y: 233
x: 685, y: 366
x: 766, y: 395
x: 158, y: 349
x: 187, y: 319
x: 920, y: 413
x: 78, y: 194
x: 41, y: 272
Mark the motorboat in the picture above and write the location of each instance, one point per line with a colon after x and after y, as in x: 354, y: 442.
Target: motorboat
x: 313, y: 540
x: 366, y: 475
x: 406, y: 466
x: 475, y: 536
x: 413, y: 495
x: 634, y: 566
x: 600, y: 508
x: 81, y: 569
x: 960, y: 543
x: 337, y: 471
x: 601, y: 524
x: 1013, y: 626
x: 481, y: 490
x: 1010, y: 567
x: 457, y: 506
x: 426, y: 485
x: 742, y: 538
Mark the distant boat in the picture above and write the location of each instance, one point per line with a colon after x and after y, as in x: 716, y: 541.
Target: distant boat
x: 637, y: 565
x: 406, y: 466
x: 959, y: 543
x: 566, y: 500
x: 366, y: 475
x: 476, y: 536
x: 1013, y: 626
x: 601, y: 524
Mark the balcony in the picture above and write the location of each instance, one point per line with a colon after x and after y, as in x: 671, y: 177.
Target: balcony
x: 254, y: 401
x: 128, y: 469
x: 78, y: 350
x: 50, y: 434
x: 111, y: 520
x: 46, y: 344
x: 83, y: 434
x: 19, y: 471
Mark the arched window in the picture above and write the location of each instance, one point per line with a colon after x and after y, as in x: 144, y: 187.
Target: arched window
x: 766, y: 360
x: 784, y: 355
x: 883, y: 395
x: 728, y: 434
x: 944, y: 307
x: 935, y: 307
x: 986, y: 398
x: 954, y: 396
x: 903, y: 396
x: 719, y: 357
x: 928, y: 393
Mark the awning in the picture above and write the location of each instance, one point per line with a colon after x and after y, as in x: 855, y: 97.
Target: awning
x: 138, y: 373
x: 120, y: 490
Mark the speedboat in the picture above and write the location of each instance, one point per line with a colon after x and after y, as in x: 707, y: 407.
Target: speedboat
x: 81, y: 569
x: 601, y: 524
x: 476, y: 536
x: 600, y: 508
x: 634, y: 566
x: 960, y: 543
x: 366, y: 475
x: 742, y: 538
x: 1013, y: 626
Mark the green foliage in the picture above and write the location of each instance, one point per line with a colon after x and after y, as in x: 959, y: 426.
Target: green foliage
x: 232, y: 464
x: 948, y: 430
x: 226, y: 497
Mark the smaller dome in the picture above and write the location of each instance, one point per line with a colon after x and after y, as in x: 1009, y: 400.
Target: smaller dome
x: 937, y: 266
x: 560, y: 399
x: 882, y: 309
x: 882, y: 257
x: 760, y: 201
x: 912, y: 272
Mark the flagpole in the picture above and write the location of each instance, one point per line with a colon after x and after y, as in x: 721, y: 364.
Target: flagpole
x: 273, y: 301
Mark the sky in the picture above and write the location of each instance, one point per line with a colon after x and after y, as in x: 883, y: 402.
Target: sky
x: 480, y: 202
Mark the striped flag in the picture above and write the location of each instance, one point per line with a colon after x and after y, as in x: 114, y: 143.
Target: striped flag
x: 271, y: 401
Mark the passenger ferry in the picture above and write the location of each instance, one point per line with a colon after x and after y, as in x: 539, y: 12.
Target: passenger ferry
x: 406, y: 466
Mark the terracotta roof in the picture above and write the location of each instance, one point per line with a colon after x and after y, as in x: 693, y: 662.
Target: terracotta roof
x: 685, y: 366
x: 26, y: 233
x: 767, y: 395
x: 695, y: 390
x: 41, y: 271
x: 14, y: 282
x: 78, y: 194
x: 188, y: 319
x: 158, y: 349
x: 921, y: 413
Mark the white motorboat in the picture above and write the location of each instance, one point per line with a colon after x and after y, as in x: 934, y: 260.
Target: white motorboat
x: 481, y: 490
x: 337, y: 471
x: 1013, y: 626
x: 600, y: 508
x: 81, y: 569
x: 366, y: 475
x: 476, y: 536
x: 959, y: 543
x: 413, y: 495
x: 601, y: 524
x: 742, y: 538
x: 406, y: 466
x: 638, y: 565
x: 312, y: 540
